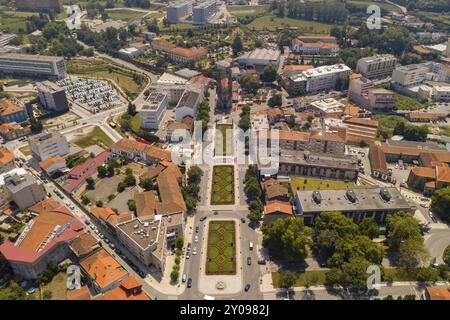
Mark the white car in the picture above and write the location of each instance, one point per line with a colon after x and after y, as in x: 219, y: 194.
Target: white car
x: 196, y: 238
x: 101, y: 236
x: 424, y: 205
x: 72, y: 207
x: 194, y: 252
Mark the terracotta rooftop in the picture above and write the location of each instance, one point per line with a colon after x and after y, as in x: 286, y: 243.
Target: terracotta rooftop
x: 189, y: 53
x: 363, y: 122
x: 47, y: 163
x: 8, y: 107
x: 426, y: 116
x: 45, y: 205
x: 6, y: 156
x: 83, y: 244
x: 145, y: 203
x: 438, y: 293
x: 129, y: 289
x: 274, y: 207
x: 378, y: 159
x: 128, y: 145
x: 276, y: 190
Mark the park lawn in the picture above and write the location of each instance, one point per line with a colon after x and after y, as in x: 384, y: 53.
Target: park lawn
x: 222, y: 192
x: 136, y: 122
x: 242, y: 11
x: 96, y: 137
x: 155, y: 15
x: 62, y: 15
x: 311, y: 278
x: 25, y: 150
x: 304, y: 26
x: 221, y: 250
x: 124, y: 14
x: 224, y: 146
x: 400, y: 274
x: 444, y: 131
x: 58, y: 286
x: 363, y: 4
x: 298, y: 183
x: 14, y: 22
x: 407, y: 103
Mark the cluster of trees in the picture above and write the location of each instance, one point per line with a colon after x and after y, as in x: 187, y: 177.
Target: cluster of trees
x: 254, y: 193
x: 237, y: 45
x: 250, y: 83
x: 395, y: 40
x: 269, y: 74
x: 440, y: 203
x: 411, y: 132
x: 203, y: 114
x: 176, y: 267
x: 108, y: 41
x: 191, y: 190
x: 13, y: 291
x: 145, y: 4
x: 427, y: 5
x: 287, y: 239
x: 152, y: 26
x: 332, y: 12
x: 244, y: 121
x: 128, y: 181
x: 275, y: 101
x: 36, y: 22
x: 107, y: 170
x: 405, y: 240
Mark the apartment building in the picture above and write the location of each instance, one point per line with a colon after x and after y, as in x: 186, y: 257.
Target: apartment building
x: 24, y: 190
x: 410, y: 75
x: 44, y: 239
x: 46, y: 145
x: 359, y: 203
x: 153, y: 109
x: 12, y: 111
x: 359, y: 90
x: 13, y: 130
x: 327, y: 142
x: 52, y: 97
x: 327, y: 107
x: 203, y: 12
x: 440, y: 92
x: 381, y: 100
x: 327, y: 78
x: 35, y: 66
x: 177, y: 11
x: 378, y: 66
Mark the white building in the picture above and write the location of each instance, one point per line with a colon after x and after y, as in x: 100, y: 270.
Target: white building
x: 188, y: 105
x: 260, y: 58
x: 153, y: 110
x: 441, y: 92
x: 178, y: 11
x: 410, y: 75
x: 203, y: 12
x: 379, y: 66
x: 24, y: 190
x: 326, y: 78
x: 32, y: 65
x: 46, y: 145
x: 327, y: 107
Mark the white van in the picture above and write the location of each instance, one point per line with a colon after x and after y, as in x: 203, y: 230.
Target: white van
x: 183, y: 279
x: 206, y: 297
x: 251, y: 245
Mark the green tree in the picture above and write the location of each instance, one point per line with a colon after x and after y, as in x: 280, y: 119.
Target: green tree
x: 130, y: 180
x: 174, y: 276
x: 179, y: 242
x: 194, y: 175
x: 237, y: 45
x: 446, y: 256
x: 275, y: 100
x: 102, y: 171
x: 99, y: 203
x: 440, y: 203
x: 147, y: 184
x: 131, y: 110
x: 121, y: 186
x: 269, y: 74
x: 131, y: 205
x: 369, y: 227
x: 47, y: 295
x: 400, y: 227
x: 13, y: 292
x: 85, y: 199
x: 250, y: 83
x: 90, y: 183
x: 286, y: 279
x: 350, y: 274
x: 412, y: 254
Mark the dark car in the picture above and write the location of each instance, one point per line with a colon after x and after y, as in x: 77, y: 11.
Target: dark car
x: 189, y: 283
x: 262, y: 261
x: 243, y: 220
x: 203, y: 218
x: 434, y: 219
x: 247, y: 287
x: 197, y: 229
x: 249, y: 261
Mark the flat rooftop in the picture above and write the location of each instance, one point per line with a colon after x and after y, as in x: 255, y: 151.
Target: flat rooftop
x: 308, y: 158
x: 153, y: 100
x: 378, y: 58
x: 144, y: 233
x: 30, y: 57
x: 351, y: 200
x: 261, y: 54
x: 325, y: 70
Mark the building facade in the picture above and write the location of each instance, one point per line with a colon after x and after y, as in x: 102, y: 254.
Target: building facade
x: 202, y: 12
x: 52, y: 96
x: 375, y: 67
x: 46, y: 145
x: 35, y: 66
x: 178, y: 11
x: 153, y: 109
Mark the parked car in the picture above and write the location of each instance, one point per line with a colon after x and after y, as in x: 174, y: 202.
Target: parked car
x: 183, y: 278
x: 249, y: 261
x: 197, y: 229
x: 424, y: 205
x: 243, y: 220
x: 247, y: 287
x: 189, y: 283
x: 194, y: 252
x: 187, y: 255
x: 196, y: 238
x: 203, y: 218
x: 262, y: 261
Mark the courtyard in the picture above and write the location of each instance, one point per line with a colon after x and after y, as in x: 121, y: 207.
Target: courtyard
x: 224, y: 140
x: 221, y: 251
x: 222, y: 192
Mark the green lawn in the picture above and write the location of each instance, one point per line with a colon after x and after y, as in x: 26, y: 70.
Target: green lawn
x: 407, y: 103
x: 25, y: 150
x: 58, y: 286
x: 14, y: 22
x: 221, y: 251
x: 444, y: 131
x: 363, y: 4
x: 136, y: 122
x: 222, y: 192
x: 312, y: 278
x: 124, y: 15
x: 399, y: 274
x: 224, y: 141
x: 304, y: 26
x: 300, y: 183
x: 242, y: 11
x: 95, y: 137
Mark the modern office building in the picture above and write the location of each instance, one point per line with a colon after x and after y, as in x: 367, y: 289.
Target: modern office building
x: 24, y: 190
x: 52, y: 96
x: 375, y: 67
x: 356, y: 203
x: 410, y: 75
x: 202, y: 12
x: 39, y: 5
x: 177, y: 11
x: 35, y: 66
x: 46, y: 145
x: 153, y: 110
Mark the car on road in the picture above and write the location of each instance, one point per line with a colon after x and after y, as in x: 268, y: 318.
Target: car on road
x: 435, y: 220
x: 424, y: 205
x: 72, y: 207
x: 188, y: 247
x: 196, y: 238
x: 183, y: 278
x: 243, y: 220
x: 187, y: 255
x: 194, y: 252
x: 262, y: 261
x: 68, y: 204
x: 101, y: 236
x: 197, y: 229
x: 216, y: 213
x: 189, y: 283
x: 203, y: 218
x: 247, y: 287
x: 112, y: 246
x: 107, y: 241
x: 87, y: 222
x: 249, y: 261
